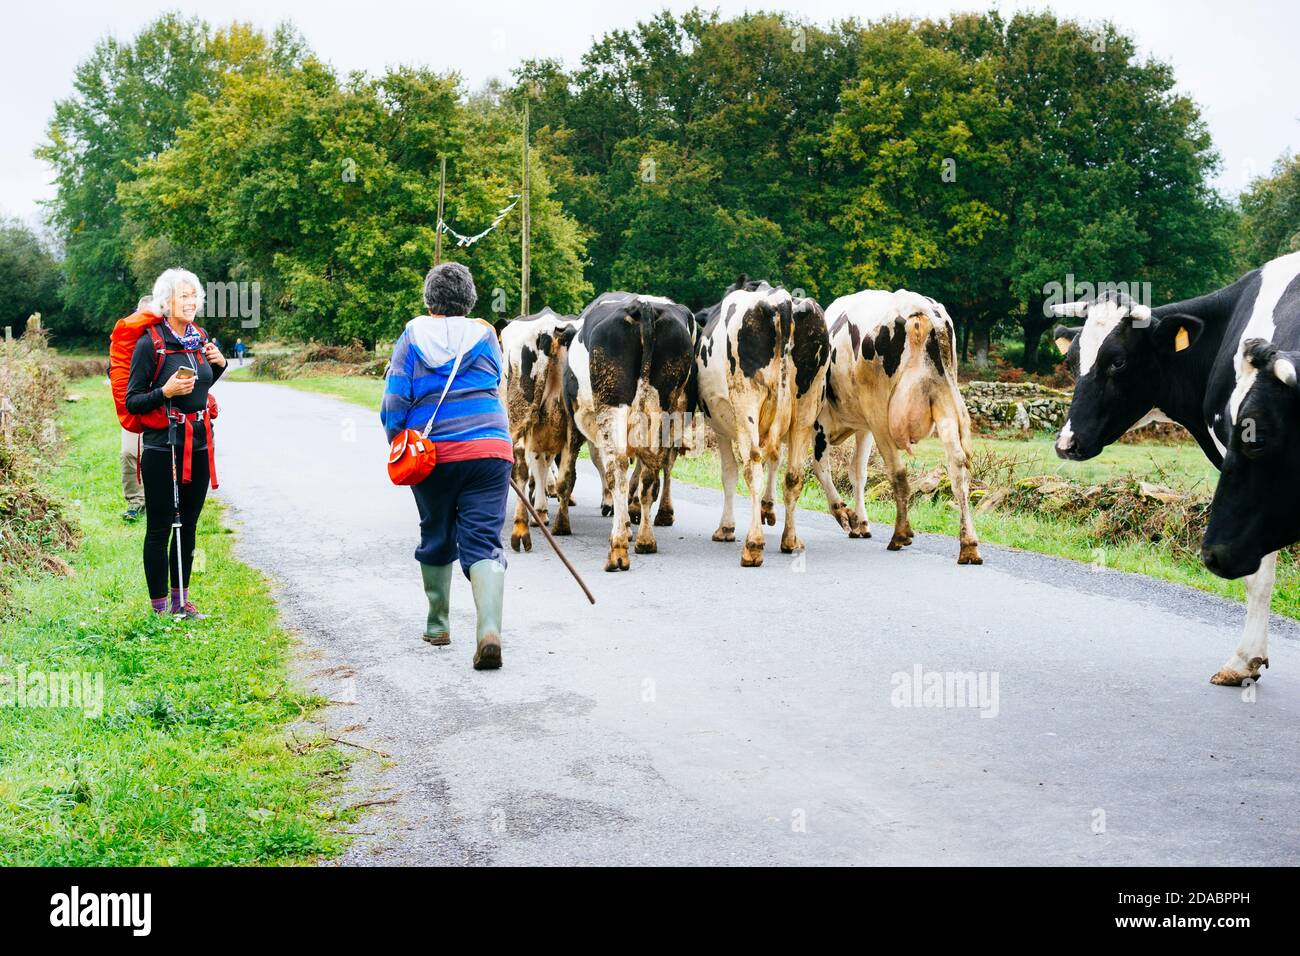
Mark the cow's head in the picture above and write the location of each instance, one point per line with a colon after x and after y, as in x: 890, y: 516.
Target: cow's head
x: 1117, y: 360
x: 1256, y: 510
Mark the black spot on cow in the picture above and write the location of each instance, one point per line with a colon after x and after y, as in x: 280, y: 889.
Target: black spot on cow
x: 839, y: 324
x: 756, y: 339
x: 855, y: 336
x: 544, y: 344
x: 527, y: 357
x: 731, y: 356
x: 932, y: 350
x: 830, y: 388
x: 868, y: 348
x: 810, y: 347
x: 890, y: 342
x: 819, y: 440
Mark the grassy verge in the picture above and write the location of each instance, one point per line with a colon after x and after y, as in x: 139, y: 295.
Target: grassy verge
x: 193, y: 760
x: 1181, y: 466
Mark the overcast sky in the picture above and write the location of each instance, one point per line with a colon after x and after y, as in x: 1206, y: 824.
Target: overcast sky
x: 1237, y: 60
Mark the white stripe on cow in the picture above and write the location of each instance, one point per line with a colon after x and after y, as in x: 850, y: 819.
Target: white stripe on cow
x: 1274, y: 279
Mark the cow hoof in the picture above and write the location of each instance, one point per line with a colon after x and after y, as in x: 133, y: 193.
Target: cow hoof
x: 520, y: 535
x: 752, y: 555
x: 791, y: 546
x: 1228, y: 677
x: 769, y: 514
x: 573, y: 503
x: 861, y: 531
x: 646, y: 547
x: 618, y: 559
x: 606, y: 511
x: 561, y: 525
x: 544, y: 516
x: 969, y: 554
x: 664, y: 519
x: 898, y: 542
x: 840, y: 513
x: 725, y: 533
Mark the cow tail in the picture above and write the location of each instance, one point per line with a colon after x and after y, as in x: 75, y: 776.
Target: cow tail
x: 784, y: 326
x: 646, y: 314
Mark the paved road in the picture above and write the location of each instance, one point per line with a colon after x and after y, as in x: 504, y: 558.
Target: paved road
x: 704, y: 713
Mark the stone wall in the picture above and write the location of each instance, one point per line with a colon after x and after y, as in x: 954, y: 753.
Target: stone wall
x: 1015, y: 406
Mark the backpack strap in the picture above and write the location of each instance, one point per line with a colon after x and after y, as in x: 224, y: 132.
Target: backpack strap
x: 160, y: 352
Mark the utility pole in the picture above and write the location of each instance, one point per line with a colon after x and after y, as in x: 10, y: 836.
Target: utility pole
x: 442, y: 195
x: 527, y: 220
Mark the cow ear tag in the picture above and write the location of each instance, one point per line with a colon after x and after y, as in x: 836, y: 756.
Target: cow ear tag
x: 1182, y: 341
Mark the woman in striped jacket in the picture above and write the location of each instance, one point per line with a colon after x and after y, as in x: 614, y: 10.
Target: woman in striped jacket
x: 462, y: 503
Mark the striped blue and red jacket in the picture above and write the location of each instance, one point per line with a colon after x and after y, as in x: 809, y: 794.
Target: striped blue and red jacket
x: 472, y: 420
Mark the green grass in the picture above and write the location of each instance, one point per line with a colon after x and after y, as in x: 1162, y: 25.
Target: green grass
x: 1182, y: 466
x: 190, y: 762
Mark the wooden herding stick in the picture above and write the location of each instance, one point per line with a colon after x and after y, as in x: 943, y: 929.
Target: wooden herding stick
x: 547, y: 532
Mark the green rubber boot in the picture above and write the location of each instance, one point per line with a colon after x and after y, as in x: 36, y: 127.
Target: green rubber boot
x: 488, y: 580
x: 437, y: 588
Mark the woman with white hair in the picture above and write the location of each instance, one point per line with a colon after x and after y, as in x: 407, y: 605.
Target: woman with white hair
x: 446, y: 374
x: 172, y: 368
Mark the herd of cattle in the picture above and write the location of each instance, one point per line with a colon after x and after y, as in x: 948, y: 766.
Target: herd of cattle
x: 773, y: 377
x: 769, y: 374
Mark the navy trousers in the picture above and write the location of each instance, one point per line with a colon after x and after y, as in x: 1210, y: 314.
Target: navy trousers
x: 462, y: 510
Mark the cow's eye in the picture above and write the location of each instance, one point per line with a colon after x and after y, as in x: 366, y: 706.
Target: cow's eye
x: 1117, y: 364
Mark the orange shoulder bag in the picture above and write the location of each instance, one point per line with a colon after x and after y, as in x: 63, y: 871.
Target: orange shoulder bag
x: 411, y: 456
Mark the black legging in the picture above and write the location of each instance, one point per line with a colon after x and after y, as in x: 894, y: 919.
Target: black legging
x: 156, y: 474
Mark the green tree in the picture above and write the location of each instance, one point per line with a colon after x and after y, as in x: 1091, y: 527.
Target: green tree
x: 129, y: 100
x: 1270, y: 207
x: 1069, y: 156
x: 329, y: 193
x: 29, y: 276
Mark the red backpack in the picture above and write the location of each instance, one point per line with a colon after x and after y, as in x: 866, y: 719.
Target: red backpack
x: 121, y: 346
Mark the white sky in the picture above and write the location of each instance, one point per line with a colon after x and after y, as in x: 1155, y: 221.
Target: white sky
x: 1237, y: 60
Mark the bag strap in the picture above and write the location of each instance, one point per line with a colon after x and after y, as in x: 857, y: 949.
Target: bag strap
x: 460, y: 352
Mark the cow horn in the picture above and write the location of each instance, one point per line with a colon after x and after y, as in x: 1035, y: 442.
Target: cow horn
x: 1074, y: 310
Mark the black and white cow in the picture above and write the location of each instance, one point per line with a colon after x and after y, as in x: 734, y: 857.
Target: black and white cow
x: 626, y: 385
x: 535, y: 349
x: 760, y: 365
x: 1188, y: 362
x: 892, y: 381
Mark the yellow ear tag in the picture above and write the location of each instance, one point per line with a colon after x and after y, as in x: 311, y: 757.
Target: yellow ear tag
x: 1182, y: 340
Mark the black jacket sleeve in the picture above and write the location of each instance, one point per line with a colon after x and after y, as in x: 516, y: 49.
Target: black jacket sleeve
x: 217, y: 371
x: 142, y: 396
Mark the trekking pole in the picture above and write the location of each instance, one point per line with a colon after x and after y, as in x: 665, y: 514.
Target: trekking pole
x: 558, y: 553
x: 176, y: 504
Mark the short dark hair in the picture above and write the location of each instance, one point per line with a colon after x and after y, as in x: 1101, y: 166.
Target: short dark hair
x: 449, y: 290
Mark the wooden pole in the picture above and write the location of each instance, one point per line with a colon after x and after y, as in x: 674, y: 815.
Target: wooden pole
x: 442, y: 195
x: 547, y: 533
x: 526, y: 219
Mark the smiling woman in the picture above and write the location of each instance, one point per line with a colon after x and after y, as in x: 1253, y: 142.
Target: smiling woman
x: 177, y: 461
